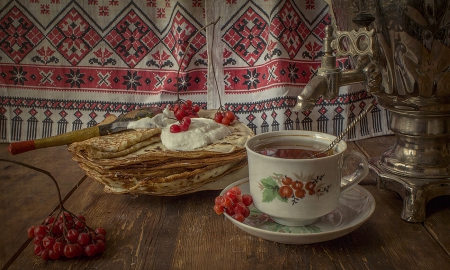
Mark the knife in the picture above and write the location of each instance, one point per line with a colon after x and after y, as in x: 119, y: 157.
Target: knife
x: 118, y: 125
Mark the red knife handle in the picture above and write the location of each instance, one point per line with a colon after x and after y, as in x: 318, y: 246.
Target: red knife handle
x: 61, y: 139
x: 21, y: 147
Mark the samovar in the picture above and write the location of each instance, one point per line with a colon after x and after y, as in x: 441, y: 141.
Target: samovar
x: 401, y: 53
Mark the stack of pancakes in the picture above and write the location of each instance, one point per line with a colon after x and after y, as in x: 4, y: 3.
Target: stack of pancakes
x: 136, y: 161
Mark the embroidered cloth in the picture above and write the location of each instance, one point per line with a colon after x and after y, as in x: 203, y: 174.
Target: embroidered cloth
x: 66, y: 64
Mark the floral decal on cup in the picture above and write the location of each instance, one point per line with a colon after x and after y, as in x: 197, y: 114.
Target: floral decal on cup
x: 283, y: 187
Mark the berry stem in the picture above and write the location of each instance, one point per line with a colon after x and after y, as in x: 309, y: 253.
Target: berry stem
x: 62, y: 210
x: 41, y: 171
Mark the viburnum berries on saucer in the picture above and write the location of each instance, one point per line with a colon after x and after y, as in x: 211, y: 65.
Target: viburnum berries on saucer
x: 234, y: 204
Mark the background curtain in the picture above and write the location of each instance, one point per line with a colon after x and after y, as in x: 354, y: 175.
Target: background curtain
x: 65, y: 65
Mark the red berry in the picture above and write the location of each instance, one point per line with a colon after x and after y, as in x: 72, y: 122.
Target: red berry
x: 38, y: 248
x: 100, y: 230
x: 79, y: 225
x: 44, y: 255
x: 100, y: 237
x: 239, y: 217
x: 91, y: 250
x: 218, y: 117
x: 227, y: 202
x: 246, y: 212
x: 79, y: 249
x: 81, y: 217
x: 186, y: 120
x: 49, y: 220
x: 84, y: 239
x: 196, y: 108
x: 184, y: 126
x: 179, y: 114
x: 38, y: 239
x: 58, y: 247
x: 72, y: 235
x: 218, y: 200
x: 48, y: 242
x: 229, y: 211
x: 226, y: 121
x: 219, y: 209
x: 175, y: 128
x: 70, y: 251
x: 55, y: 228
x: 232, y: 195
x: 61, y: 227
x: 30, y: 232
x: 247, y: 199
x: 239, y: 208
x: 189, y: 103
x: 237, y: 190
x: 66, y: 217
x: 230, y: 115
x: 101, y: 246
x: 40, y: 230
x: 53, y: 255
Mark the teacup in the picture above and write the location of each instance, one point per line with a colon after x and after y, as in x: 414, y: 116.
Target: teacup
x: 297, y: 192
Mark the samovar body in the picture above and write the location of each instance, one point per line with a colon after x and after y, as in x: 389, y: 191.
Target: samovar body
x: 401, y: 52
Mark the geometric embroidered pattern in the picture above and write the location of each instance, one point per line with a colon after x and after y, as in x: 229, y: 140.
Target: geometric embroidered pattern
x: 18, y: 35
x: 132, y: 39
x: 73, y: 37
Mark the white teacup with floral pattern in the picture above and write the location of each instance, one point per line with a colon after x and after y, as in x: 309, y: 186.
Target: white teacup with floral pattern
x: 297, y: 192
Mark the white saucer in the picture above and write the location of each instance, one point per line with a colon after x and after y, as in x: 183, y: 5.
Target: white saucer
x: 356, y: 205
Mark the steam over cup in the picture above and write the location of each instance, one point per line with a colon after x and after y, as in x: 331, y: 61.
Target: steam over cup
x: 320, y: 179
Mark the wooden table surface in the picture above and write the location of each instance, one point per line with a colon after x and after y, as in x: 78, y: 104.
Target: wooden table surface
x: 183, y: 232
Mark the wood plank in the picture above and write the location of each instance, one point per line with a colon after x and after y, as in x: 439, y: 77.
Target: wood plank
x: 438, y: 209
x: 438, y: 220
x: 27, y: 196
x: 147, y: 232
x: 376, y: 146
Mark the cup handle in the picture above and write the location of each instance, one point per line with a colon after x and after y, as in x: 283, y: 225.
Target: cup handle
x: 359, y: 174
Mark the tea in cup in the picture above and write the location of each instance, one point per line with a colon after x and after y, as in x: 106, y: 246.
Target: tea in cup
x: 288, y: 185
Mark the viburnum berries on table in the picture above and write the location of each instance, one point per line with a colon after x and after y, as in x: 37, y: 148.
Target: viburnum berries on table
x: 64, y: 234
x: 234, y: 204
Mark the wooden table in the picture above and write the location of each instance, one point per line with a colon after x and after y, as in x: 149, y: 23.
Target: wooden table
x: 183, y: 232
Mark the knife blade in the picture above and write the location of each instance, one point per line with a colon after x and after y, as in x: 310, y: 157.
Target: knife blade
x: 118, y: 125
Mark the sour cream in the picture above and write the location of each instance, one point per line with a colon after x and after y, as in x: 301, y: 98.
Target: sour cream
x: 201, y: 132
x: 158, y: 121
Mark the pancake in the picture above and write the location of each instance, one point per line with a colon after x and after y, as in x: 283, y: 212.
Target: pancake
x: 136, y: 161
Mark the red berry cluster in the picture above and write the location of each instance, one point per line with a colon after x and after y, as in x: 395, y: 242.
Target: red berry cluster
x: 66, y: 236
x: 183, y: 112
x: 296, y: 188
x: 224, y: 117
x: 234, y: 204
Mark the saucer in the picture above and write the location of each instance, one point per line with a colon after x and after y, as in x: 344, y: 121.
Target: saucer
x: 356, y: 205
